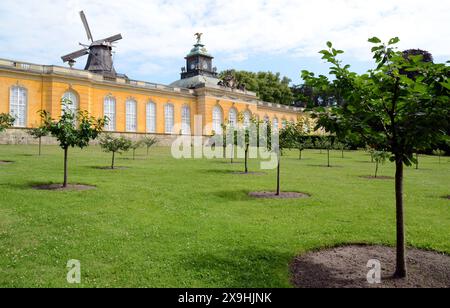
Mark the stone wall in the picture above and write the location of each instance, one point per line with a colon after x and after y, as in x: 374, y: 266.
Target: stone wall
x: 20, y: 136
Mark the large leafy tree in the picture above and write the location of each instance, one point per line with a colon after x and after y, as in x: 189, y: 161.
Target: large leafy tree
x: 390, y: 110
x: 72, y: 130
x: 269, y: 87
x: 6, y: 121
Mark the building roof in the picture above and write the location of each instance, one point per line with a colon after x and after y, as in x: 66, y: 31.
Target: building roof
x: 198, y: 81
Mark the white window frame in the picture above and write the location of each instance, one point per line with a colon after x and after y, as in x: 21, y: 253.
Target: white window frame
x: 185, y: 120
x: 109, y: 110
x: 151, y: 117
x: 131, y: 115
x: 247, y: 119
x: 18, y: 105
x: 217, y: 120
x: 73, y: 98
x: 169, y: 118
x: 233, y: 117
x: 276, y: 124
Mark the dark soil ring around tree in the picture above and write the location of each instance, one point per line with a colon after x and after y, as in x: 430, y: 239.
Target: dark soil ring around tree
x: 109, y: 168
x: 5, y: 162
x: 249, y: 173
x: 370, y: 177
x: 273, y: 195
x: 447, y: 197
x: 347, y: 267
x: 59, y: 187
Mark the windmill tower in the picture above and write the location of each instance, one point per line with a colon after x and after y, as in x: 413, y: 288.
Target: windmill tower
x: 100, y: 60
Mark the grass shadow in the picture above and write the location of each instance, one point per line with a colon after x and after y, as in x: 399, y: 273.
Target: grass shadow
x: 233, y: 195
x: 252, y: 268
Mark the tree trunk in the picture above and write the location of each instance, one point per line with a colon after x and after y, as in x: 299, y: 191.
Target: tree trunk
x: 400, y: 271
x: 232, y: 152
x: 376, y: 170
x: 342, y: 153
x: 246, y: 158
x: 113, y: 159
x: 148, y: 150
x: 134, y: 154
x: 417, y: 161
x: 300, y: 155
x: 328, y: 152
x: 278, y: 175
x: 40, y: 145
x: 66, y: 150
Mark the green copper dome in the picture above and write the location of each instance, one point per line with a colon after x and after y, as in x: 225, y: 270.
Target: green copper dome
x: 199, y: 49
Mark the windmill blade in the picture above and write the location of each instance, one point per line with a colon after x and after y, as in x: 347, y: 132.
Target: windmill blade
x: 75, y: 55
x: 113, y: 38
x: 86, y: 26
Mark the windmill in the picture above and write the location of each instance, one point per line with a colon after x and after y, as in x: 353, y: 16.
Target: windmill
x: 100, y: 58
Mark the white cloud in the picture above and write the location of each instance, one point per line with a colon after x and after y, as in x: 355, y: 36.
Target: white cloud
x: 158, y: 30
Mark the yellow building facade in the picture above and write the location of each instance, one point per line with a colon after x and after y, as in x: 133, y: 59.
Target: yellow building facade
x: 133, y: 107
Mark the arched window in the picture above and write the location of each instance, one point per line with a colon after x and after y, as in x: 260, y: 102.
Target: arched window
x: 217, y: 120
x: 109, y: 110
x: 185, y: 120
x: 18, y: 105
x: 247, y: 119
x: 275, y: 124
x: 233, y: 117
x: 71, y: 102
x: 266, y: 119
x: 284, y: 123
x: 169, y: 118
x: 131, y: 115
x: 151, y: 117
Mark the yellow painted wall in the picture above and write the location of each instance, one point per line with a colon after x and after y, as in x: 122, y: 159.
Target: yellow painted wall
x: 45, y: 92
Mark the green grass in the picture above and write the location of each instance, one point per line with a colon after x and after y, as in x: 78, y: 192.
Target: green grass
x: 190, y: 223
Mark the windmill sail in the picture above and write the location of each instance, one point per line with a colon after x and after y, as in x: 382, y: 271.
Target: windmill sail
x: 86, y: 26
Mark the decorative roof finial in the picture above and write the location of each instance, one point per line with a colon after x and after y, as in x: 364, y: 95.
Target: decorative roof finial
x: 199, y: 37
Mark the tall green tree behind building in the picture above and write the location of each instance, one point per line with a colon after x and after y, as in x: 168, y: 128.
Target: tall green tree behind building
x: 270, y: 87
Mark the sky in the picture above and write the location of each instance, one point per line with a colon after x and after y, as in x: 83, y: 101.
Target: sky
x: 258, y: 35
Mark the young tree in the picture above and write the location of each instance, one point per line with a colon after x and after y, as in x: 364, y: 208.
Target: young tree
x: 111, y: 144
x: 389, y: 110
x: 38, y: 133
x: 328, y: 143
x: 380, y: 157
x: 6, y: 121
x: 439, y: 153
x: 72, y: 130
x: 148, y: 142
x: 341, y: 145
x: 134, y: 146
x: 286, y: 141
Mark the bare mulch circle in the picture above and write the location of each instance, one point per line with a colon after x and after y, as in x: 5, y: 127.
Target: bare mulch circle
x: 273, y: 195
x: 371, y: 177
x: 5, y: 162
x: 109, y: 168
x: 346, y: 267
x: 447, y: 197
x: 59, y: 187
x: 249, y: 173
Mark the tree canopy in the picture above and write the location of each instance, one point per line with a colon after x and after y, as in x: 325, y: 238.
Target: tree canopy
x: 6, y: 121
x: 399, y: 106
x: 270, y: 87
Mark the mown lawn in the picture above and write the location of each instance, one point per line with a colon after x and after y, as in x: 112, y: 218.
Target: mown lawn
x: 190, y: 223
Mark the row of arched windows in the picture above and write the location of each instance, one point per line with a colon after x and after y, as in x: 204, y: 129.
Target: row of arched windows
x: 19, y: 101
x: 131, y: 116
x: 217, y: 119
